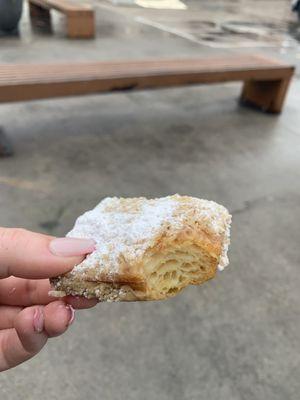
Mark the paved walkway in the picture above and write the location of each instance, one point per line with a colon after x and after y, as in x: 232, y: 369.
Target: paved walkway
x: 236, y: 337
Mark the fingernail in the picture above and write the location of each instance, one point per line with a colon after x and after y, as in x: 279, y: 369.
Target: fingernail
x: 72, y: 314
x: 67, y: 247
x: 38, y: 320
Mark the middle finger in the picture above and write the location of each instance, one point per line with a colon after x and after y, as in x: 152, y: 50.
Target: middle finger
x: 26, y: 292
x: 7, y: 316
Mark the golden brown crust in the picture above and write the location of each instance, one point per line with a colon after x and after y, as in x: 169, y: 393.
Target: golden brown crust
x: 183, y: 245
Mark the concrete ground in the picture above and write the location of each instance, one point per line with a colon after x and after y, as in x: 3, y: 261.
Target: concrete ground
x: 236, y: 337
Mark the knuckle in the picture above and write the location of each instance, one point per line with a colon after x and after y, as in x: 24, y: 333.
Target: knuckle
x: 31, y: 288
x: 11, y: 241
x: 10, y: 236
x: 18, y: 234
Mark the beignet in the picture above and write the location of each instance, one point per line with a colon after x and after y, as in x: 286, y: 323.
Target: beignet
x: 147, y: 249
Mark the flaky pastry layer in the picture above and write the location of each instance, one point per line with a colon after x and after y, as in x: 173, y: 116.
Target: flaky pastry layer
x: 147, y: 249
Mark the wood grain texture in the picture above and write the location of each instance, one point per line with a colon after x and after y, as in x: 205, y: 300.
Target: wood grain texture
x: 37, y: 12
x: 268, y: 96
x: 65, y: 6
x: 80, y: 17
x: 266, y: 80
x: 81, y: 25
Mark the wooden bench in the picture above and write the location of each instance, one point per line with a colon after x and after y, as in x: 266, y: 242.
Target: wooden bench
x: 266, y: 81
x: 80, y: 18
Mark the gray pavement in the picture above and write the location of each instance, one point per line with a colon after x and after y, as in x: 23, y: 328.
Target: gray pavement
x: 236, y: 337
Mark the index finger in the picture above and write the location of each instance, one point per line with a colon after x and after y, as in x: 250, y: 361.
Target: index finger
x: 26, y: 254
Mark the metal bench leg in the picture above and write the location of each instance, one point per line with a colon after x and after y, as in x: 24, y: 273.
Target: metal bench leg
x: 268, y: 96
x: 81, y: 25
x: 6, y: 149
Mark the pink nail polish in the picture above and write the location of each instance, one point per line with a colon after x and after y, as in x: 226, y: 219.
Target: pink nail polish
x: 72, y: 314
x: 68, y: 247
x: 38, y: 320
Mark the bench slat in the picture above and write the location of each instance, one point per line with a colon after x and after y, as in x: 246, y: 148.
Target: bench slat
x: 64, y: 6
x: 234, y: 67
x: 28, y: 82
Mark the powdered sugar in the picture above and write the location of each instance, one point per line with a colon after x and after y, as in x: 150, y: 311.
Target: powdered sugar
x: 224, y: 261
x: 128, y: 227
x: 126, y: 231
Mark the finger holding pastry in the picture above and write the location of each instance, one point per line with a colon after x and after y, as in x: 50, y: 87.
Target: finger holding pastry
x: 28, y: 315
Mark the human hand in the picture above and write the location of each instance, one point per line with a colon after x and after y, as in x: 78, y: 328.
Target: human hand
x: 28, y: 315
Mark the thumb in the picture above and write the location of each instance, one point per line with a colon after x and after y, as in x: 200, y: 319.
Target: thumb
x: 30, y: 255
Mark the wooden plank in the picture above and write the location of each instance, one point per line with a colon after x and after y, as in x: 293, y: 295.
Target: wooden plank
x: 249, y: 62
x: 27, y: 82
x: 200, y: 71
x: 40, y: 13
x: 268, y: 95
x: 64, y: 6
x: 81, y: 25
x: 69, y: 5
x: 39, y: 3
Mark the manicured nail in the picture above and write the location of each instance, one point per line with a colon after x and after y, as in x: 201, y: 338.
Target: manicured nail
x: 72, y: 314
x: 38, y: 320
x: 68, y: 247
